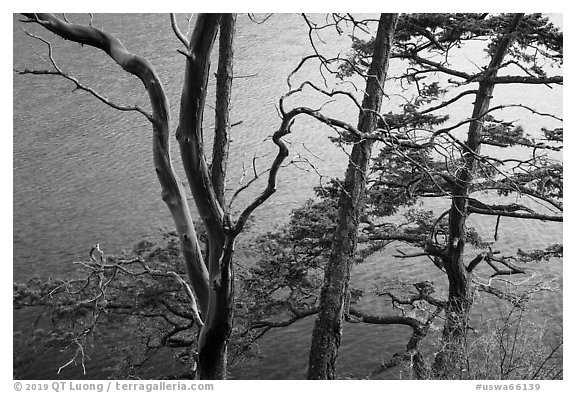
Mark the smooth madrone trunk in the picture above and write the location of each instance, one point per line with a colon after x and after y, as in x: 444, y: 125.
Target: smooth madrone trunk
x: 214, y: 336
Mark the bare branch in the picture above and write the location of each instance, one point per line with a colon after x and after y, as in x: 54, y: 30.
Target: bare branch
x: 386, y: 319
x: 448, y: 102
x: 507, y: 296
x: 296, y: 316
x: 259, y: 22
x: 511, y: 185
x: 273, y: 173
x: 505, y: 213
x: 79, y: 86
x: 178, y: 33
x: 482, y: 115
x: 325, y: 92
x: 435, y: 66
x: 559, y: 80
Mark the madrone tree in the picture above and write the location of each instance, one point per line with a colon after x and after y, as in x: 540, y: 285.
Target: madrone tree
x: 210, y: 272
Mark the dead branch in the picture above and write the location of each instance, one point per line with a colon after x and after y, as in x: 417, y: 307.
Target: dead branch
x: 559, y: 80
x: 177, y: 31
x: 505, y: 213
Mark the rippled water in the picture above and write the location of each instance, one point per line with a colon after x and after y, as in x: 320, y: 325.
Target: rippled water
x: 83, y: 173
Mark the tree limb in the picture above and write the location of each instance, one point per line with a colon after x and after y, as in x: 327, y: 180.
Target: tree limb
x: 172, y: 191
x: 178, y: 33
x: 509, y: 79
x: 505, y: 213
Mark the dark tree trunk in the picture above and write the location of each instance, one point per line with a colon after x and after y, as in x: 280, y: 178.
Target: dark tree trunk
x: 460, y: 289
x: 224, y: 78
x: 214, y: 336
x: 328, y: 327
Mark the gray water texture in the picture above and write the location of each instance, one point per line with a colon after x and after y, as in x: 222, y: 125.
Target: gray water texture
x: 83, y: 172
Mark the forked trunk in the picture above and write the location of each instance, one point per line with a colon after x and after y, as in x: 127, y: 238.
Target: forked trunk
x: 214, y: 336
x: 460, y: 294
